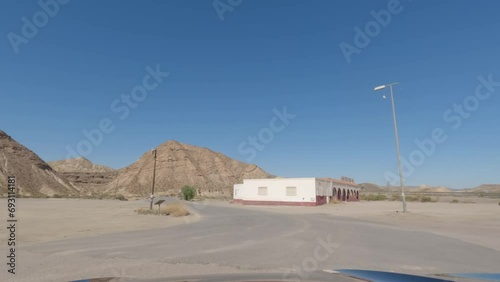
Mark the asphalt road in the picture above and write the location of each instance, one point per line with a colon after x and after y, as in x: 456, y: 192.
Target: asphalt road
x: 247, y: 240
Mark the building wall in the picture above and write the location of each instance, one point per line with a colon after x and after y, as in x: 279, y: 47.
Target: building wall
x: 305, y: 191
x: 237, y: 191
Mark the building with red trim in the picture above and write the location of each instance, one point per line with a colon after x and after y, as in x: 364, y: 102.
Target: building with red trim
x: 294, y: 191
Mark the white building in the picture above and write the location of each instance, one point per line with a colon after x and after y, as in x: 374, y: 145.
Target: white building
x: 294, y: 191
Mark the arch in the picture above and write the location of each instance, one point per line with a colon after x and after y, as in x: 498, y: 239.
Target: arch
x: 343, y: 194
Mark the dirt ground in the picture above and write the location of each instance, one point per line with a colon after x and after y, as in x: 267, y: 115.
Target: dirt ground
x: 476, y: 221
x: 42, y: 220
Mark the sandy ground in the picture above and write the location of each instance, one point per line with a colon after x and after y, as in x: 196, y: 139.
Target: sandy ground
x: 477, y: 222
x: 43, y: 220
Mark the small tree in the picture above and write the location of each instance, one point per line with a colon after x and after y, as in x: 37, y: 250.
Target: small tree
x: 188, y: 192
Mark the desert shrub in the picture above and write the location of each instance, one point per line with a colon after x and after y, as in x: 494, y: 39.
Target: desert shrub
x: 412, y: 198
x: 372, y: 197
x: 176, y: 210
x: 426, y: 199
x: 57, y: 196
x: 455, y: 201
x: 120, y: 197
x: 395, y: 197
x: 188, y: 193
x: 104, y: 196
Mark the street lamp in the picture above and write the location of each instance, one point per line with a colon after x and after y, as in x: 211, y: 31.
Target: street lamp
x: 381, y: 87
x: 154, y: 176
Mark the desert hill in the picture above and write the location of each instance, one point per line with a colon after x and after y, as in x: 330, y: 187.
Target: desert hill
x: 212, y: 173
x: 35, y: 178
x: 486, y: 188
x: 429, y: 189
x: 370, y: 187
x: 89, y: 177
x: 78, y: 165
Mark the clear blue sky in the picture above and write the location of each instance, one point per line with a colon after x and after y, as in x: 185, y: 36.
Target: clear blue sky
x: 226, y: 77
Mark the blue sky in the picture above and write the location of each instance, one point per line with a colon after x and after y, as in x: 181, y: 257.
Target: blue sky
x: 227, y: 76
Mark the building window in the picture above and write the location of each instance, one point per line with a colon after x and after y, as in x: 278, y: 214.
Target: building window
x: 262, y: 191
x: 291, y: 191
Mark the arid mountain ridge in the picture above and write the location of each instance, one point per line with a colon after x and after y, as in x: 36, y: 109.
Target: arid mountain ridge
x: 34, y: 177
x: 177, y: 164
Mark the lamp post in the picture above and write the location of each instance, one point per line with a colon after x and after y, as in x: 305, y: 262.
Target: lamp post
x: 154, y: 176
x: 397, y: 140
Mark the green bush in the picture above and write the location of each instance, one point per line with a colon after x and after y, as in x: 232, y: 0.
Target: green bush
x: 188, y: 193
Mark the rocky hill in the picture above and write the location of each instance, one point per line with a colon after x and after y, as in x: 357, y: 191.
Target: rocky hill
x: 35, y: 178
x: 370, y: 187
x: 212, y: 173
x: 78, y: 165
x: 89, y: 177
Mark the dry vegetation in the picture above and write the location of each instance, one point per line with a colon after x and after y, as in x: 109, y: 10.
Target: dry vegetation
x: 397, y: 197
x: 335, y: 202
x: 175, y: 209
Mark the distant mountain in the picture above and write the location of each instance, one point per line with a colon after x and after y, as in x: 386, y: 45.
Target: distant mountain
x: 373, y: 188
x: 35, y: 177
x: 180, y: 164
x: 486, y: 188
x: 429, y: 189
x: 370, y: 187
x: 89, y: 177
x: 78, y: 165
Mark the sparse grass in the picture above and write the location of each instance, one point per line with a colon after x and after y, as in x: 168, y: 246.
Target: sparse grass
x: 372, y: 197
x: 175, y: 209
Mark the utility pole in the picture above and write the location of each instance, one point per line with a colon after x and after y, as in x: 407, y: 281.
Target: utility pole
x: 154, y: 176
x: 401, y: 179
